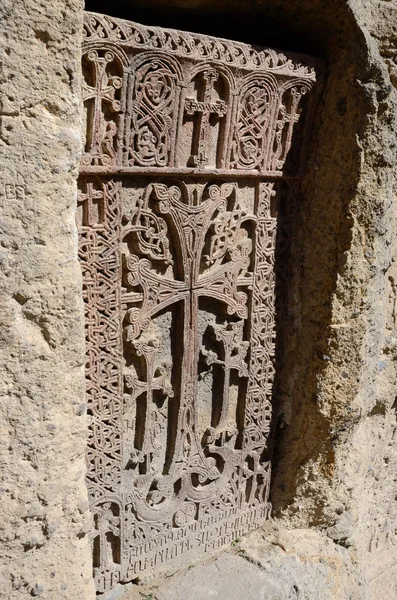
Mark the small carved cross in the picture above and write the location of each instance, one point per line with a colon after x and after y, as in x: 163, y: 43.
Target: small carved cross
x: 104, y: 91
x: 230, y: 334
x: 92, y: 206
x: 148, y: 345
x: 204, y: 108
x: 106, y: 522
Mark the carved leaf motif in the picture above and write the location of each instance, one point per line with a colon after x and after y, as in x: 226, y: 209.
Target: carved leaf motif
x: 152, y: 235
x: 226, y: 226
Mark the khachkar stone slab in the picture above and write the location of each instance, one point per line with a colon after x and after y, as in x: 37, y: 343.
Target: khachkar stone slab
x: 187, y: 139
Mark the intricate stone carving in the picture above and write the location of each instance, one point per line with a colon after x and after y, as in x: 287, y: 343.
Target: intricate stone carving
x: 251, y: 137
x: 99, y: 218
x: 101, y: 95
x: 177, y: 241
x: 188, y: 45
x: 204, y: 107
x: 157, y: 98
x: 151, y: 127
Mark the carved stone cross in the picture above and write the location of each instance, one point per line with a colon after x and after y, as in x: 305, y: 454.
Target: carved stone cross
x: 235, y: 352
x: 228, y: 257
x: 91, y: 206
x: 204, y: 107
x: 147, y: 346
x: 178, y: 267
x: 106, y: 522
x: 102, y: 94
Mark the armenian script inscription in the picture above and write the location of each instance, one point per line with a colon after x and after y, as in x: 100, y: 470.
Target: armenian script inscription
x: 188, y: 139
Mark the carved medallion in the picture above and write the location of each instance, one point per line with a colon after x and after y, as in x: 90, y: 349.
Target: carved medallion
x: 188, y: 139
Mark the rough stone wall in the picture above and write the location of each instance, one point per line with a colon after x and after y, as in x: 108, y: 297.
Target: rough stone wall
x: 44, y: 515
x: 336, y: 458
x: 336, y: 455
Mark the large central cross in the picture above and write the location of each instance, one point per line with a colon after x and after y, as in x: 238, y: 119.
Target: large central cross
x: 204, y: 107
x: 228, y: 260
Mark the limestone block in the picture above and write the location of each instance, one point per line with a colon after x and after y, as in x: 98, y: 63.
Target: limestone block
x: 45, y: 550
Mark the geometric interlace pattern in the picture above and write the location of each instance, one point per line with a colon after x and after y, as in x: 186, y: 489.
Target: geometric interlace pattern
x: 187, y: 141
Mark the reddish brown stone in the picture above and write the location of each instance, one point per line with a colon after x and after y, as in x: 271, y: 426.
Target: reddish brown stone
x: 187, y: 138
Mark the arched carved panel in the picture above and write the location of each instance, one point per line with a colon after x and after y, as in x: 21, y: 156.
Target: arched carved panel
x: 289, y: 142
x: 253, y: 132
x: 103, y: 75
x: 153, y: 105
x: 205, y: 118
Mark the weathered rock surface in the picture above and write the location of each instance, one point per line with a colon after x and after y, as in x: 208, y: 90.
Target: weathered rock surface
x: 44, y: 518
x: 335, y: 447
x: 270, y: 564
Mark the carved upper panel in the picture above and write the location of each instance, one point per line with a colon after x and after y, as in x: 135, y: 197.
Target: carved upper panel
x: 159, y: 98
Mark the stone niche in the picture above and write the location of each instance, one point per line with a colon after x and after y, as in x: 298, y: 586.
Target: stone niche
x: 194, y: 147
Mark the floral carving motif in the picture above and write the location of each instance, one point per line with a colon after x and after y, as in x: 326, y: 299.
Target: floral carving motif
x: 250, y: 142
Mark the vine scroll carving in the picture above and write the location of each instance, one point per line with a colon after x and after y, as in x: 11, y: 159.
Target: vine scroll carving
x: 188, y: 139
